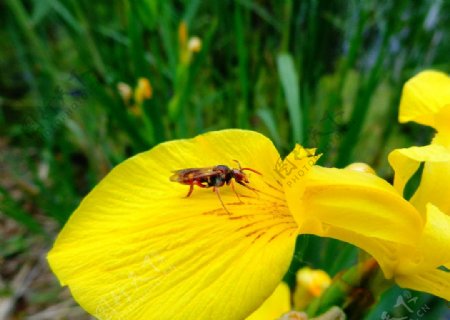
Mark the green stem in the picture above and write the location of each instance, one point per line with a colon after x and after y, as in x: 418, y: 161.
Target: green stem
x: 88, y: 39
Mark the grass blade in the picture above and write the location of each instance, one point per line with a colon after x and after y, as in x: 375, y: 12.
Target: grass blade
x: 11, y: 209
x: 269, y: 121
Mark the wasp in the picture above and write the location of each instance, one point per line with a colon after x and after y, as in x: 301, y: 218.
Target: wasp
x: 214, y: 177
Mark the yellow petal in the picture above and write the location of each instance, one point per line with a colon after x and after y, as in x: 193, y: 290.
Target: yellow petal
x: 424, y: 96
x: 355, y: 201
x: 136, y: 248
x: 433, y: 249
x: 408, y: 264
x: 276, y: 305
x: 434, y: 281
x: 435, y: 242
x: 442, y: 119
x: 434, y: 187
x: 405, y: 162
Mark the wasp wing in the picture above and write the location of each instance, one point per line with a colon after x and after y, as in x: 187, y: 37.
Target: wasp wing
x: 190, y: 174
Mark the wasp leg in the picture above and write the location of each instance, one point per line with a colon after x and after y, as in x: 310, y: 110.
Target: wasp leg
x: 232, y: 187
x: 200, y: 185
x: 216, y: 190
x: 191, y: 188
x: 248, y: 187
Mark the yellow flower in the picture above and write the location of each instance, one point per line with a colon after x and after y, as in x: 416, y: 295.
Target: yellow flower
x: 426, y: 100
x: 137, y: 248
x: 326, y: 213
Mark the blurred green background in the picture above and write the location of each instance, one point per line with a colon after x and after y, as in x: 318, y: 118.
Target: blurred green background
x: 326, y: 74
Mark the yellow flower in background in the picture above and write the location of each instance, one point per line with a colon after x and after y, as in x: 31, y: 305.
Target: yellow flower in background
x: 143, y: 91
x: 310, y: 284
x: 195, y: 44
x: 187, y: 45
x: 125, y: 92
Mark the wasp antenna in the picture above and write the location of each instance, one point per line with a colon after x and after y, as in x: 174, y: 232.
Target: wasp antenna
x: 252, y: 170
x: 240, y: 168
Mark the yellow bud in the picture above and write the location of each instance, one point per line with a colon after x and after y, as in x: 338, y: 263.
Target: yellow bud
x: 195, y: 44
x: 310, y: 284
x: 182, y: 34
x: 125, y: 91
x: 361, y: 167
x: 294, y: 315
x: 142, y: 91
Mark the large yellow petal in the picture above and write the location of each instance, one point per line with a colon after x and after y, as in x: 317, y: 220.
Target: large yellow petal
x: 405, y: 162
x: 136, y: 248
x: 355, y: 201
x: 424, y: 96
x: 275, y: 306
x: 433, y: 249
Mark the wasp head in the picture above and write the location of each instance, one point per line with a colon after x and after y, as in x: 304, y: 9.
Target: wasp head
x: 240, y: 176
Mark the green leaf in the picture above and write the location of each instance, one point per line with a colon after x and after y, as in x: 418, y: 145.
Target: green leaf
x: 65, y: 15
x: 290, y: 83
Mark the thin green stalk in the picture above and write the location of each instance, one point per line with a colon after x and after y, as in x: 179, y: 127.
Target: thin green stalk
x: 361, y: 107
x: 244, y: 106
x: 355, y: 291
x: 286, y: 26
x: 24, y: 24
